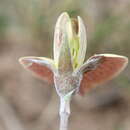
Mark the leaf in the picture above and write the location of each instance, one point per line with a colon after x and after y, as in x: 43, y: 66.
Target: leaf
x: 82, y: 42
x: 109, y: 68
x: 91, y: 64
x: 40, y: 66
x: 60, y: 29
x: 64, y: 61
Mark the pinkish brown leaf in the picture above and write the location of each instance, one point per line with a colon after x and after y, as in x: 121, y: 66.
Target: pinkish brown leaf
x: 109, y: 68
x: 41, y: 67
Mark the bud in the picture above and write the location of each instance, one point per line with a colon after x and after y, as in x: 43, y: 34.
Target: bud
x: 68, y: 70
x: 69, y: 43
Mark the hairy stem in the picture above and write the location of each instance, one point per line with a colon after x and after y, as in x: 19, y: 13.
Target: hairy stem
x: 64, y: 113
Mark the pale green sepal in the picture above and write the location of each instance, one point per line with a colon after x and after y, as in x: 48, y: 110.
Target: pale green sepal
x: 82, y: 42
x: 60, y: 29
x: 64, y: 60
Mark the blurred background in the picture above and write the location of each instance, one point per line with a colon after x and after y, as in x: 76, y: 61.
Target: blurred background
x: 26, y: 29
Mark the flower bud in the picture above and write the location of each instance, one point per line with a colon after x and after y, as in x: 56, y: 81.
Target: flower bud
x: 69, y: 43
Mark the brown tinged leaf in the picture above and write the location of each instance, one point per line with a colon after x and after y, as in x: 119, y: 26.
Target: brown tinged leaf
x: 110, y: 67
x: 41, y: 67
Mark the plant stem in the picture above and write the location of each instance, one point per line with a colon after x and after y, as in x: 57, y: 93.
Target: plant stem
x: 64, y: 113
